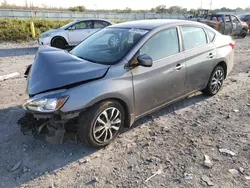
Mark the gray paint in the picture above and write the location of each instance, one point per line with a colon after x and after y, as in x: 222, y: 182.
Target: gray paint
x: 144, y: 90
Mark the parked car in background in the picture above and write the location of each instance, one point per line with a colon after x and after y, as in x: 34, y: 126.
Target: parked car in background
x: 227, y: 24
x: 120, y: 74
x: 72, y: 33
x: 245, y: 18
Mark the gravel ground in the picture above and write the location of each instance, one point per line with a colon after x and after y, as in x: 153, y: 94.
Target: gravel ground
x: 165, y: 149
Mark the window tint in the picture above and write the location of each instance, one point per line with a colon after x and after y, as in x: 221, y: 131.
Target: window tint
x: 193, y: 37
x: 162, y: 44
x: 210, y: 34
x: 82, y: 25
x: 100, y: 24
x: 234, y: 19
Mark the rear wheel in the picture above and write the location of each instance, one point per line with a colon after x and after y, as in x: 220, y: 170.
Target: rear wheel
x: 59, y: 43
x: 99, y: 125
x: 215, y: 82
x: 243, y: 33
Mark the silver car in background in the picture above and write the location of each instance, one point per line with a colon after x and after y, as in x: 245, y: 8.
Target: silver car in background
x: 120, y: 74
x: 72, y: 33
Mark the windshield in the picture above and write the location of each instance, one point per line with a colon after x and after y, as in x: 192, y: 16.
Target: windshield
x: 67, y: 25
x: 109, y: 45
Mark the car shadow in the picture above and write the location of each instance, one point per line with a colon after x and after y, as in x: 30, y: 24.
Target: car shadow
x: 18, y: 51
x: 37, y: 157
x: 171, y: 109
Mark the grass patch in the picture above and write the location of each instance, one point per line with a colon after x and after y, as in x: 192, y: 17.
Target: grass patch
x: 19, y: 29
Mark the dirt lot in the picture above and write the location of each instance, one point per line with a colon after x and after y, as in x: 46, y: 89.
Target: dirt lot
x: 169, y: 144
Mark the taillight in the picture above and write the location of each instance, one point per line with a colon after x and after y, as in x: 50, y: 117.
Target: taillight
x: 232, y: 45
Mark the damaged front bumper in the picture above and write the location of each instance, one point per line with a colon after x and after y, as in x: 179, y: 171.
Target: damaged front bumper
x: 52, y: 125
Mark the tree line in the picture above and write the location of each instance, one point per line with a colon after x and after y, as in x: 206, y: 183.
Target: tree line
x: 159, y: 9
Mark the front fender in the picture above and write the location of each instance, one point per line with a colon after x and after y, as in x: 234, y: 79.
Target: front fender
x: 117, y: 84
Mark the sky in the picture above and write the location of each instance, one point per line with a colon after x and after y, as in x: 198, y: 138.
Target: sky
x: 135, y: 4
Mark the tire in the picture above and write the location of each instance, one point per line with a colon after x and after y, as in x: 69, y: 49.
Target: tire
x: 59, y: 43
x: 243, y: 33
x: 93, y: 126
x: 215, y: 81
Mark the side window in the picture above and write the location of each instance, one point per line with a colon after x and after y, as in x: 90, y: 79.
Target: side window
x: 214, y: 18
x: 82, y: 25
x: 227, y: 18
x: 162, y: 44
x: 193, y: 37
x: 248, y: 18
x: 210, y: 35
x: 100, y: 24
x: 220, y: 18
x: 234, y: 19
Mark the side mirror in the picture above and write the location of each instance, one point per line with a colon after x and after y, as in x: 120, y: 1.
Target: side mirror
x: 145, y: 60
x: 72, y: 28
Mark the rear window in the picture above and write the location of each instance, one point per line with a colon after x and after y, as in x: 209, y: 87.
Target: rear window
x: 210, y: 34
x: 193, y: 37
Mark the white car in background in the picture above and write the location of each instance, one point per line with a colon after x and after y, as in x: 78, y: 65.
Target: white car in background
x: 72, y: 33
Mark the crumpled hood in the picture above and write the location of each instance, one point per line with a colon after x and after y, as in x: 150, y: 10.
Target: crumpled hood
x: 54, y: 68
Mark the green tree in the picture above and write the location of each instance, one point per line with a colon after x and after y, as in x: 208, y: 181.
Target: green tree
x: 175, y: 9
x: 238, y: 9
x: 127, y: 10
x: 77, y: 9
x: 161, y: 9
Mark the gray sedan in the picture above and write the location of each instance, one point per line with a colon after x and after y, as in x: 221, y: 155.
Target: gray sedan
x: 121, y: 74
x: 72, y: 33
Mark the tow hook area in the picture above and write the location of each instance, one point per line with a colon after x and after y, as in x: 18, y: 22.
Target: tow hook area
x: 54, y: 130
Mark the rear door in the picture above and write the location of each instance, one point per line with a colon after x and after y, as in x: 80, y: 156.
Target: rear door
x: 237, y: 26
x: 165, y: 80
x: 79, y: 31
x: 200, y: 56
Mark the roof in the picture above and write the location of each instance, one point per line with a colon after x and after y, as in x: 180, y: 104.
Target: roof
x: 150, y: 24
x: 90, y: 19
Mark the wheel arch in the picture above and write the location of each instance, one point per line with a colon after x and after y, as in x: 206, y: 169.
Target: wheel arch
x: 128, y: 119
x: 60, y: 37
x: 223, y: 64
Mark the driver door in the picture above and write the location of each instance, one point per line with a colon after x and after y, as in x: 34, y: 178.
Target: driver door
x: 79, y: 31
x: 165, y: 80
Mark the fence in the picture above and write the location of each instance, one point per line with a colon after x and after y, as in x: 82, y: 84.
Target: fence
x: 65, y: 15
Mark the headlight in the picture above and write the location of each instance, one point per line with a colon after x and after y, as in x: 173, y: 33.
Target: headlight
x: 45, y: 105
x: 45, y: 35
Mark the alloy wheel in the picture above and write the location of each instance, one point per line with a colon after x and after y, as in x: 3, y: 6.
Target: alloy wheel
x: 217, y: 81
x: 107, y: 125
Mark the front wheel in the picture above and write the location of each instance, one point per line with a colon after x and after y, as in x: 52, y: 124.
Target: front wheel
x: 215, y: 82
x: 59, y: 43
x: 243, y: 33
x: 99, y: 125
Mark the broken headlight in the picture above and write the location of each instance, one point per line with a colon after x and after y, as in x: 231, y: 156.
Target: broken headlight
x: 45, y: 105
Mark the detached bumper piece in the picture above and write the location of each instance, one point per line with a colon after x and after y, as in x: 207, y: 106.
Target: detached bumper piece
x: 31, y: 125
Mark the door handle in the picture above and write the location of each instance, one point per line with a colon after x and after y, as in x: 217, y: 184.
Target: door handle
x: 178, y: 67
x: 210, y: 55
